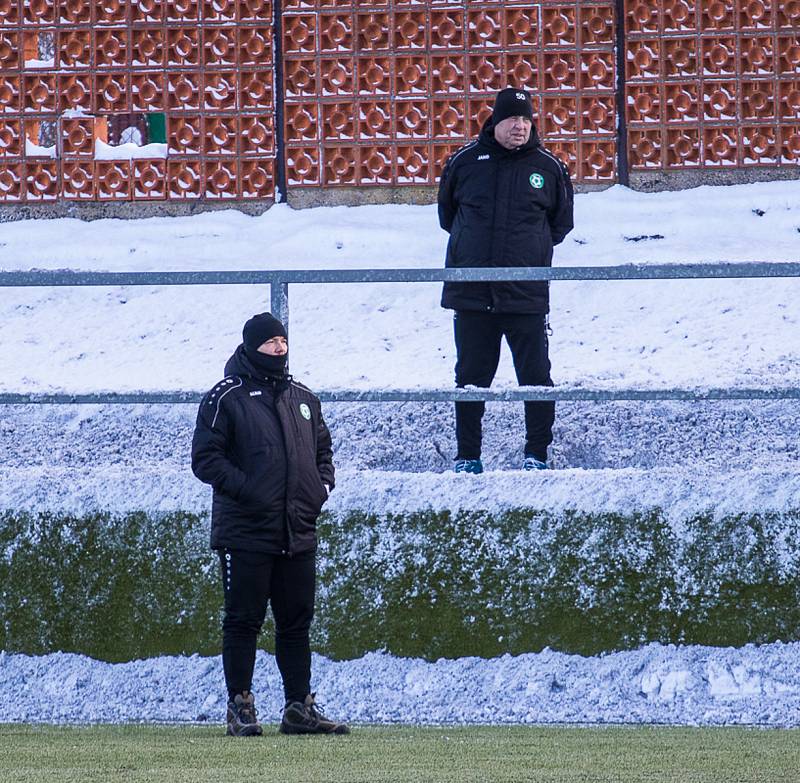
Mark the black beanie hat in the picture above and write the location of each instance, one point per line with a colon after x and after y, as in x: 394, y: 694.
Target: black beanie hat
x: 511, y: 102
x: 259, y: 329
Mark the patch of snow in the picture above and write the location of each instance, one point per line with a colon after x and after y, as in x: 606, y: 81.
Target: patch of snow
x: 129, y: 151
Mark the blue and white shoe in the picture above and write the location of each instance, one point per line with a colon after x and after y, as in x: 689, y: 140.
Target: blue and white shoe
x: 531, y: 463
x: 468, y: 466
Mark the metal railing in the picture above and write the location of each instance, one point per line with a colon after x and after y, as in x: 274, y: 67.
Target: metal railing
x: 279, y: 281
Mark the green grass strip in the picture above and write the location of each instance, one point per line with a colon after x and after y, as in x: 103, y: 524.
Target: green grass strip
x: 372, y: 754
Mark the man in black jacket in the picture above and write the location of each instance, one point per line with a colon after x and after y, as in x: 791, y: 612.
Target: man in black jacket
x: 505, y: 201
x: 262, y: 444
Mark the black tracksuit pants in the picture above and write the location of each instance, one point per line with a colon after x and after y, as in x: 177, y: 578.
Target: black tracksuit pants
x: 250, y: 580
x: 478, y: 338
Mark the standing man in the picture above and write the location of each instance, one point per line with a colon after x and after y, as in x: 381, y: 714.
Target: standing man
x: 505, y: 201
x: 262, y: 444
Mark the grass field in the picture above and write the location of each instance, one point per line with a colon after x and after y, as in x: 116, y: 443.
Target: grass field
x: 372, y: 754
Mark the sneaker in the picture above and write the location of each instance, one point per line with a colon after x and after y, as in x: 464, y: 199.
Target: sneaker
x: 306, y: 718
x: 468, y: 466
x: 242, y: 721
x: 531, y: 463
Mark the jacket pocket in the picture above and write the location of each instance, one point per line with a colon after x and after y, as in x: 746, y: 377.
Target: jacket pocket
x: 265, y: 486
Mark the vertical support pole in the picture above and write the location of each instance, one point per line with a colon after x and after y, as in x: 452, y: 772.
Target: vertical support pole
x: 280, y: 147
x: 621, y: 100
x: 279, y: 302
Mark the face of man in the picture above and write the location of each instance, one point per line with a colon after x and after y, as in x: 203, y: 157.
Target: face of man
x: 277, y: 346
x: 513, y: 132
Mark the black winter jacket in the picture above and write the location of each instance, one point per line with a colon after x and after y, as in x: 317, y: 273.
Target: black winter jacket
x: 503, y: 208
x: 263, y: 446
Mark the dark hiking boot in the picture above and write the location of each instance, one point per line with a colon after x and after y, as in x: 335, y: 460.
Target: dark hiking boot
x: 242, y: 721
x: 306, y: 718
x: 468, y: 466
x: 532, y: 463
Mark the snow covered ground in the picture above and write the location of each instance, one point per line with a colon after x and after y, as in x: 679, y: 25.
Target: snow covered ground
x: 656, y: 684
x: 684, y: 458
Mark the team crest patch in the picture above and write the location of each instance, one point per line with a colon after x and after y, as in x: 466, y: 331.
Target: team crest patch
x: 537, y: 181
x: 305, y: 411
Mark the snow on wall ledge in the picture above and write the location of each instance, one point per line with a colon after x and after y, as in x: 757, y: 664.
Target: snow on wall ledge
x: 656, y: 684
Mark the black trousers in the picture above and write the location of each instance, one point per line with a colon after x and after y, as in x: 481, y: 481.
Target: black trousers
x: 250, y: 580
x: 478, y: 339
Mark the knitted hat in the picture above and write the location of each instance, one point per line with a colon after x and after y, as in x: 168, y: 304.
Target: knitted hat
x: 511, y: 103
x: 259, y: 329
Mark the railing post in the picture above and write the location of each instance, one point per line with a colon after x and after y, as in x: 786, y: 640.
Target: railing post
x: 279, y: 301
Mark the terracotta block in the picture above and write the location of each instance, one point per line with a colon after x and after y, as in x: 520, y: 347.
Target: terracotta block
x: 256, y: 179
x: 256, y: 10
x: 184, y: 90
x: 790, y: 143
x: 559, y: 116
x: 479, y: 109
x: 680, y: 57
x: 336, y: 32
x: 374, y: 75
x: 681, y: 102
x: 373, y: 32
x: 75, y: 48
x: 40, y: 92
x: 522, y: 70
x: 412, y: 119
x: 10, y: 50
x: 644, y: 149
x: 720, y: 146
x: 643, y: 16
x: 300, y: 78
x: 756, y: 56
x: 719, y: 15
x: 42, y: 183
x: 339, y: 165
x: 339, y: 121
x: 220, y: 135
x: 680, y: 16
x: 255, y: 90
x: 302, y: 122
x: 788, y: 14
x: 758, y: 100
x: 77, y: 180
x: 521, y: 26
x: 112, y: 92
x: 113, y: 180
x: 485, y: 28
x: 789, y: 55
x: 147, y: 91
x: 149, y: 179
x: 77, y: 137
x: 447, y: 74
x: 413, y: 166
x: 756, y: 15
x: 375, y: 120
x: 220, y: 90
x: 720, y: 101
x: 759, y: 145
x: 411, y: 75
x: 598, y: 160
x: 410, y: 30
x: 597, y: 114
x: 255, y: 46
x: 220, y: 179
x: 596, y: 25
x: 147, y: 47
x: 439, y: 154
x: 567, y: 152
x: 148, y: 11
x: 9, y: 12
x: 719, y: 55
x: 184, y: 179
x: 183, y: 46
x: 597, y: 71
x: 299, y: 33
x: 302, y: 166
x: 559, y: 71
x: 448, y: 118
x: 789, y: 106
x: 11, y: 94
x: 447, y: 29
x: 184, y: 134
x: 40, y: 11
x: 558, y: 26
x: 257, y: 135
x: 219, y: 47
x: 219, y: 10
x: 376, y: 165
x: 11, y: 137
x: 111, y: 12
x: 12, y: 178
x: 643, y: 59
x: 486, y: 72
x: 683, y: 148
x: 110, y: 48
x: 182, y: 11
x: 337, y: 76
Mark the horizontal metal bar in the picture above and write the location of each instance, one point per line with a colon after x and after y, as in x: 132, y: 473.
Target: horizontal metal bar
x: 62, y: 277
x: 428, y: 395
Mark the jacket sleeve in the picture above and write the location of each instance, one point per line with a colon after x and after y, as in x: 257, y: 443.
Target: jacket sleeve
x: 447, y: 205
x: 212, y: 434
x: 325, y: 454
x: 560, y: 216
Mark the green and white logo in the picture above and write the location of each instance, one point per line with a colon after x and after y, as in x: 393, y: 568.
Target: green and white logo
x: 305, y: 411
x: 537, y: 181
